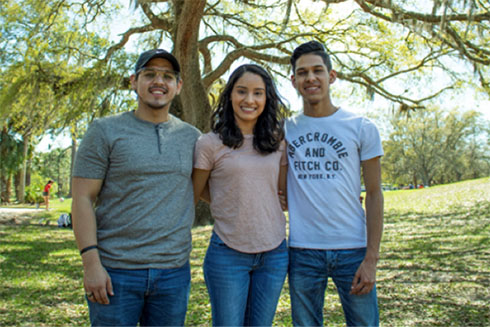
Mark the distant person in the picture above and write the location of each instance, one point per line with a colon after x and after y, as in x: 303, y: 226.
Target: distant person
x: 46, y: 191
x: 330, y: 235
x: 243, y: 161
x: 135, y: 169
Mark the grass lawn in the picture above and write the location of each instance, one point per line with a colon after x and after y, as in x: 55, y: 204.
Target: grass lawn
x: 434, y: 268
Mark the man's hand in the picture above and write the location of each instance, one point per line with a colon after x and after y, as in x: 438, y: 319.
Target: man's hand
x: 97, y: 283
x: 365, y: 278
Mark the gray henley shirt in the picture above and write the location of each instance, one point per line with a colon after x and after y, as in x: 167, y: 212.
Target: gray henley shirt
x: 145, y: 207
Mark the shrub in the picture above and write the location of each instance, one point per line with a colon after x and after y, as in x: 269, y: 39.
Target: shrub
x: 34, y: 194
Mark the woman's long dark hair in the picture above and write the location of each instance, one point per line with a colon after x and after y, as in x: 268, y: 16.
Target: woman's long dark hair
x: 268, y: 131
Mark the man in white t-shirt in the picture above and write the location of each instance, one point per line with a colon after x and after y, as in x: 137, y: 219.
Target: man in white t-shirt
x: 330, y: 235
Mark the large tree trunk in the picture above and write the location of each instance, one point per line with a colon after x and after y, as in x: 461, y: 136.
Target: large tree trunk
x: 21, y: 186
x: 203, y: 214
x: 16, y: 185
x: 193, y: 104
x: 195, y: 108
x: 6, y: 188
x: 28, y: 172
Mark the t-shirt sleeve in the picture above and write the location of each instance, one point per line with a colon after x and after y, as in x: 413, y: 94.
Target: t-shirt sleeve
x: 92, y: 159
x: 204, y: 152
x: 371, y: 146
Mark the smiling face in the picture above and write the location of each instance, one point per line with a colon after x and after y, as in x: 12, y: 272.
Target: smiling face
x: 248, y: 98
x: 312, y: 79
x: 154, y: 87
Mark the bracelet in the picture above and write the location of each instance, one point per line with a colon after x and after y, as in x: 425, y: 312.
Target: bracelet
x: 88, y: 248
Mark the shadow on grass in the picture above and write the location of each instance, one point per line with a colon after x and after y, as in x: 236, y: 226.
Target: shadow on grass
x: 41, y: 277
x: 434, y: 269
x: 35, y: 248
x: 433, y: 272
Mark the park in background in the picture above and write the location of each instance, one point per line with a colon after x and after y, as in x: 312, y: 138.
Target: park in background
x: 66, y: 63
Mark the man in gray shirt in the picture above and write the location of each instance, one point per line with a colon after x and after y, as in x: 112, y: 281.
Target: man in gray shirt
x: 135, y: 169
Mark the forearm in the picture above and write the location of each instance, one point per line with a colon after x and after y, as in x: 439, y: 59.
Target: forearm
x: 205, y: 195
x: 85, y: 229
x: 374, y: 223
x: 200, y: 184
x: 282, y: 187
x: 85, y: 192
x: 83, y: 220
x: 282, y: 183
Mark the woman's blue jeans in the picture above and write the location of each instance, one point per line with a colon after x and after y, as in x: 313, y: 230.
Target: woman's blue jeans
x: 309, y: 271
x: 244, y: 288
x: 152, y: 297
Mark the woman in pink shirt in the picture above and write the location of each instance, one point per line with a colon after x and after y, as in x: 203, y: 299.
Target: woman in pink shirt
x: 243, y: 161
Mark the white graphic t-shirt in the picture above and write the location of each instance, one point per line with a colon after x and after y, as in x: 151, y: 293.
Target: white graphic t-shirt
x: 324, y: 179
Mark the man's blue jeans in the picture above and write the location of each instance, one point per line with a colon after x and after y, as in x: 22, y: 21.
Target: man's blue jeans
x: 152, y: 297
x: 309, y: 271
x: 244, y: 288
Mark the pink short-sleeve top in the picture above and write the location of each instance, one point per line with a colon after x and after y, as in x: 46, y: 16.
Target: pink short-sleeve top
x: 243, y: 186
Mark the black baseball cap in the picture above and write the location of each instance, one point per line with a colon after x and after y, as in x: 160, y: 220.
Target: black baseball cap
x: 156, y: 53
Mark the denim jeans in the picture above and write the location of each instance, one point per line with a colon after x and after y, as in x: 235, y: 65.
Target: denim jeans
x: 309, y: 271
x: 152, y: 297
x: 244, y: 288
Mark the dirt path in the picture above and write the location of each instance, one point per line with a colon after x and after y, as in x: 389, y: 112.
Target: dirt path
x: 15, y: 216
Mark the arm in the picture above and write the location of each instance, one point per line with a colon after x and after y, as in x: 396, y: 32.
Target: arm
x: 365, y: 276
x: 200, y: 179
x: 205, y: 195
x: 95, y: 277
x: 282, y: 187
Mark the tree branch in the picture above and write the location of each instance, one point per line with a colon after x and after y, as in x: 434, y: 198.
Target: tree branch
x: 399, y: 14
x: 125, y: 38
x: 241, y: 50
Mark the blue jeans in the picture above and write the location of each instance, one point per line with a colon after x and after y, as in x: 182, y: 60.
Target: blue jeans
x: 309, y: 271
x: 244, y: 288
x: 152, y: 297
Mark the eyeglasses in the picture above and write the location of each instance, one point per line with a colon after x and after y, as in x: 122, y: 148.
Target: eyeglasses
x: 150, y: 74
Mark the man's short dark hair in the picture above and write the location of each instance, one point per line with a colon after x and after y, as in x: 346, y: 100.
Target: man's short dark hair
x: 311, y: 47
